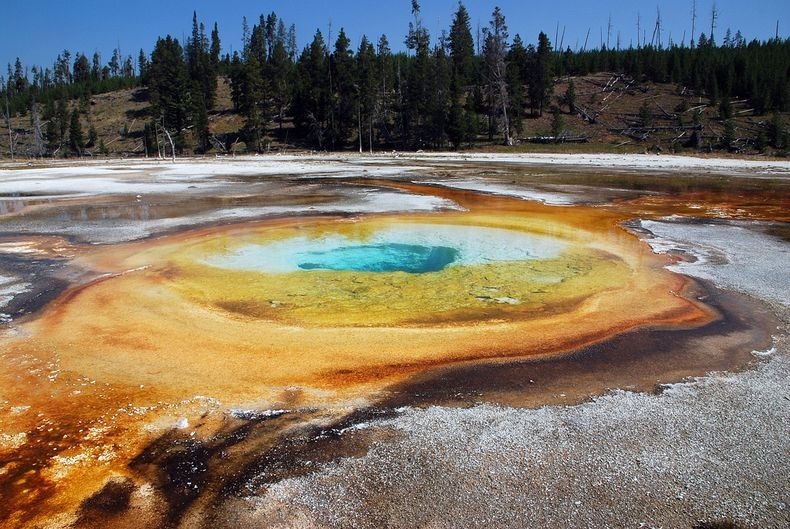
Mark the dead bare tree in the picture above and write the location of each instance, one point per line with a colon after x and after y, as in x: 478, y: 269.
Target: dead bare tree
x: 218, y: 143
x: 656, y: 39
x: 638, y: 30
x: 714, y: 14
x: 693, y: 20
x: 233, y: 146
x: 166, y: 133
x: 562, y: 41
x: 556, y: 33
x: 608, y: 31
x: 495, y: 53
x: 38, y: 137
x: 359, y: 124
x: 172, y: 146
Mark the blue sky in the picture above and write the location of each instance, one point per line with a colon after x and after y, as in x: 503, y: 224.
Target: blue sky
x: 37, y: 30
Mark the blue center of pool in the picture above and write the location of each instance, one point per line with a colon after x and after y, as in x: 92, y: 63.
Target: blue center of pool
x: 393, y: 257
x: 409, y: 247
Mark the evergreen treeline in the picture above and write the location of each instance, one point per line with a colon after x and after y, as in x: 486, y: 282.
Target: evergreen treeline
x: 45, y: 93
x: 440, y: 92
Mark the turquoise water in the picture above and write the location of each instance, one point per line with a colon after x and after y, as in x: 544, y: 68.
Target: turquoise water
x: 392, y: 257
x: 414, y: 248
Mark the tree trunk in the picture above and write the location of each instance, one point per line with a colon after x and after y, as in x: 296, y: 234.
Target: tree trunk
x: 506, y: 121
x: 10, y: 132
x: 38, y: 137
x: 172, y: 146
x: 359, y: 126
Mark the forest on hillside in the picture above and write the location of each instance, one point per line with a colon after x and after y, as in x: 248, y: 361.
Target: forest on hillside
x: 450, y: 91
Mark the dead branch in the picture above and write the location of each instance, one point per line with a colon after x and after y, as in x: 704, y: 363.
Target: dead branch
x: 666, y: 114
x: 172, y: 145
x: 588, y: 116
x: 216, y: 141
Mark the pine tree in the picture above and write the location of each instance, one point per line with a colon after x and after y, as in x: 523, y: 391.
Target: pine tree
x: 367, y: 78
x: 557, y: 124
x: 200, y: 124
x: 569, y: 98
x: 115, y: 63
x: 760, y: 141
x: 169, y: 86
x: 128, y: 68
x: 777, y: 133
x: 281, y: 74
x: 415, y: 101
x: 142, y: 67
x: 386, y: 82
x: 62, y: 71
x: 76, y: 139
x: 62, y: 118
x: 462, y: 46
x: 51, y: 132
x: 215, y: 48
x: 254, y: 89
x: 20, y: 82
x: 52, y: 136
x: 96, y: 67
x: 438, y: 107
x: 645, y: 114
x: 344, y: 95
x: 149, y: 141
x: 457, y: 130
x: 541, y: 79
x: 93, y: 137
x: 290, y: 46
x: 311, y: 98
x: 202, y: 74
x: 270, y: 31
x: 252, y: 102
x: 725, y: 109
x: 728, y: 137
x: 517, y: 59
x: 82, y: 70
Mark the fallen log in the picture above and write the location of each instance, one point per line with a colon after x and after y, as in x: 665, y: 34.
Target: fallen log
x: 556, y: 139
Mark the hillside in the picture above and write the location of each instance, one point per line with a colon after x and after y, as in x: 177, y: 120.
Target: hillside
x: 611, y: 111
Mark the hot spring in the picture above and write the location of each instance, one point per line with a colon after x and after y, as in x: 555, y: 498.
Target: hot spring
x: 394, y: 272
x: 341, y: 305
x: 411, y: 248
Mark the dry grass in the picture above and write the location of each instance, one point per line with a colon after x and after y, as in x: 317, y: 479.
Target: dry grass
x: 126, y: 110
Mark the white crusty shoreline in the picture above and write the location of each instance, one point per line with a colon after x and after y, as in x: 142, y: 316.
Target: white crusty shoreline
x: 352, y: 164
x: 657, y: 162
